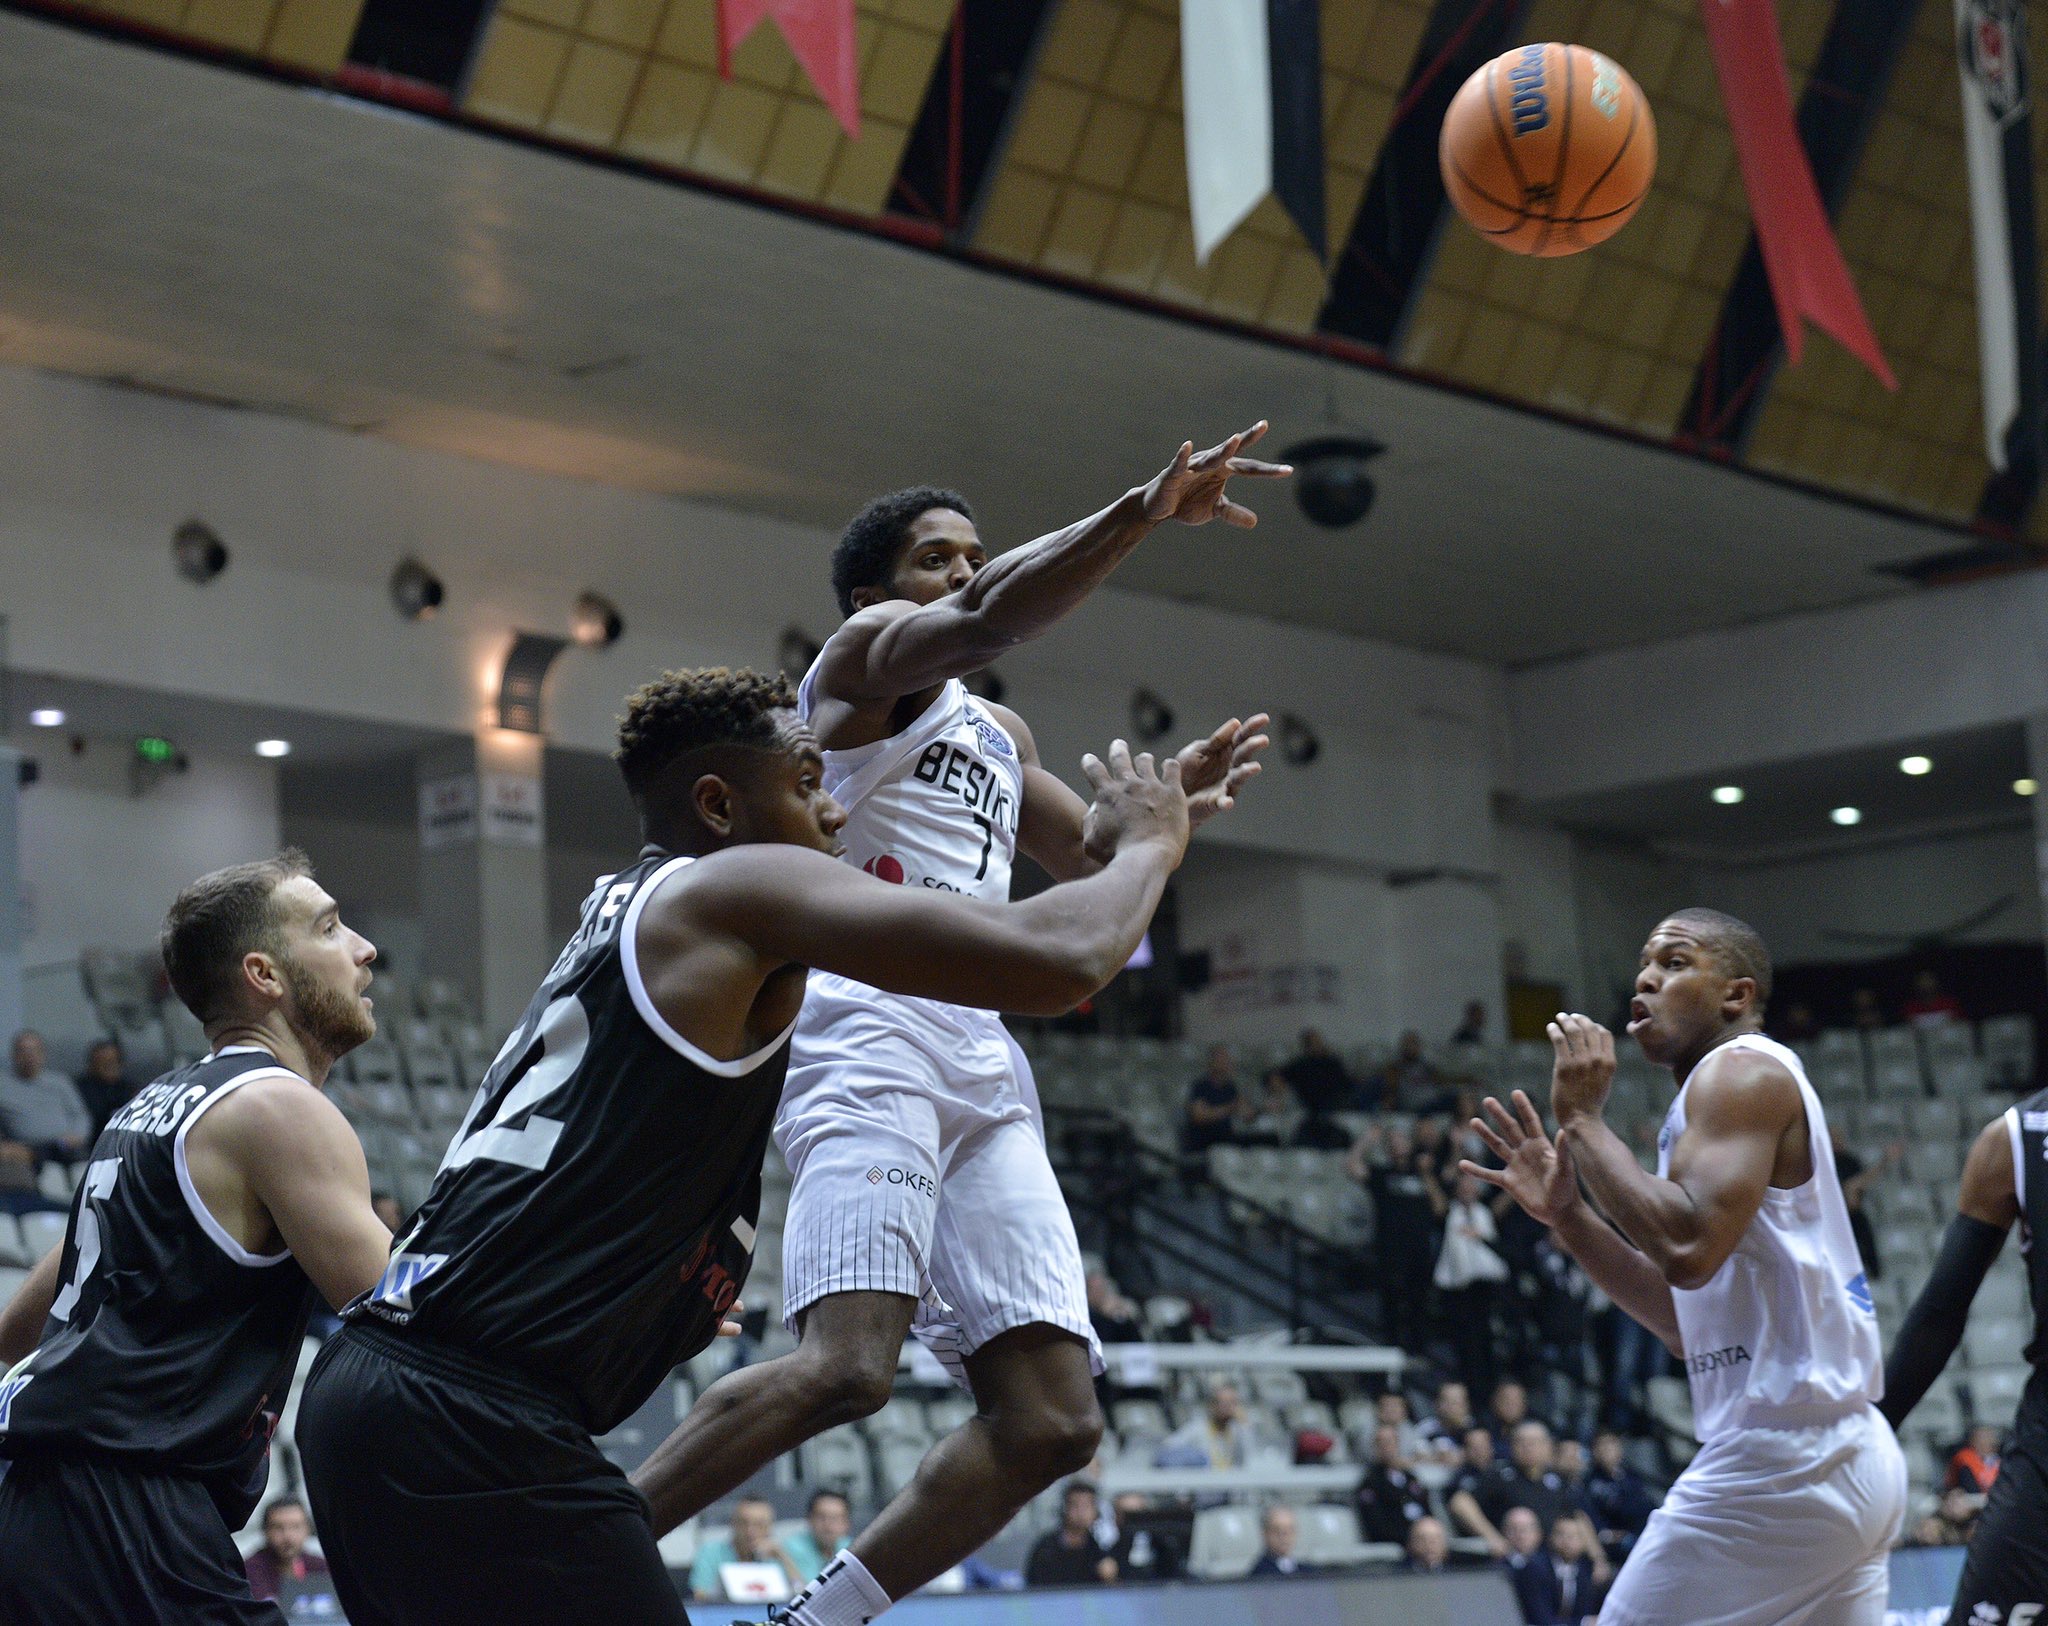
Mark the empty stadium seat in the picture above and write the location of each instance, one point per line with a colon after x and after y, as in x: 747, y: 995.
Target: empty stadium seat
x: 13, y: 1251
x: 897, y: 1461
x: 2005, y: 1288
x: 1225, y: 1543
x: 1961, y: 1075
x: 11, y: 1278
x: 1996, y: 1340
x: 1939, y: 1415
x: 1327, y: 1533
x: 57, y: 1181
x: 1995, y: 1391
x: 42, y: 1231
x: 1932, y: 1161
x: 2007, y: 1043
x: 375, y: 1061
x: 838, y: 1460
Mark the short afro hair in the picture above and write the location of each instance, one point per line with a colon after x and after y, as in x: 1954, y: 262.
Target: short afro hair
x: 218, y: 919
x: 1735, y: 943
x: 681, y: 713
x: 875, y: 536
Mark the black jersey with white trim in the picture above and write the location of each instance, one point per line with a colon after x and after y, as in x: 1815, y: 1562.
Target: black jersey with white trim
x: 2027, y: 1124
x: 594, y: 1215
x: 169, y: 1345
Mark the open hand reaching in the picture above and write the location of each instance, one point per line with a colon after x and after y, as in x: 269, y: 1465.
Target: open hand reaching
x: 1190, y: 488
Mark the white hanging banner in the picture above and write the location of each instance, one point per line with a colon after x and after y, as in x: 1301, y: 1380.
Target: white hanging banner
x: 512, y: 809
x: 1227, y: 112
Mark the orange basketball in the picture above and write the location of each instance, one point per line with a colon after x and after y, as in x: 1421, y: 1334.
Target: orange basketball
x: 1548, y: 149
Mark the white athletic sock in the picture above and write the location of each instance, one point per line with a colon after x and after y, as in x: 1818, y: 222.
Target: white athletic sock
x: 844, y: 1594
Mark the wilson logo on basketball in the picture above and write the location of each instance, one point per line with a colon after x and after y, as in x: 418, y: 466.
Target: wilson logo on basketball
x: 887, y: 867
x: 1531, y: 108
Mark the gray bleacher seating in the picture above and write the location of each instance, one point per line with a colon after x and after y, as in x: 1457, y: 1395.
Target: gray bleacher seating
x: 1899, y: 1202
x: 432, y: 1066
x: 897, y: 1463
x: 1838, y: 1056
x: 1960, y: 1075
x: 1932, y: 1119
x: 42, y: 1231
x: 375, y: 1061
x: 947, y: 1412
x: 1947, y: 1041
x: 57, y: 1181
x: 140, y: 1034
x: 1939, y: 1415
x: 1327, y: 1533
x: 11, y: 1278
x: 838, y: 1460
x: 2008, y: 1047
x: 1895, y: 1062
x: 2005, y: 1288
x: 13, y: 1251
x: 1137, y: 1420
x: 1226, y: 1541
x: 1934, y: 1160
x: 1996, y: 1340
x: 1882, y: 1121
x: 182, y: 1030
x: 1995, y: 1391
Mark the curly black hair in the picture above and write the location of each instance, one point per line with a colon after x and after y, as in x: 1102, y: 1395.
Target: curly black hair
x: 875, y: 536
x: 683, y: 712
x: 1735, y: 943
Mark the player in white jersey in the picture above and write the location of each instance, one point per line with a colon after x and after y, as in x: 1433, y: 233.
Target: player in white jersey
x: 922, y: 1195
x: 1737, y: 1253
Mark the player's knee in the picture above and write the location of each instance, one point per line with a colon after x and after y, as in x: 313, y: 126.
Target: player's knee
x: 1051, y: 1440
x: 846, y: 1390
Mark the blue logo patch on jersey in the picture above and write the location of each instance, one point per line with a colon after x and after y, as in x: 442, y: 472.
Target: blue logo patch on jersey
x: 17, y: 1382
x: 405, y: 1272
x: 1858, y: 1289
x: 993, y: 737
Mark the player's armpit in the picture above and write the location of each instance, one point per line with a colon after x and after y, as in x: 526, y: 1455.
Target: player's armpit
x: 889, y: 650
x: 303, y: 1162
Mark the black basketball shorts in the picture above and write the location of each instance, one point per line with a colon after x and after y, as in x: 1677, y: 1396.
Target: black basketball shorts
x: 2005, y: 1578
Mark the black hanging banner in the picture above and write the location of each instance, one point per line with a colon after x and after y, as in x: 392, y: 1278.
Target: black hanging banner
x: 1294, y: 35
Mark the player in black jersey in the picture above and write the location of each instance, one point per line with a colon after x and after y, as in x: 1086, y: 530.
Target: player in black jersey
x: 594, y: 1216
x: 2005, y: 1579
x: 150, y: 1353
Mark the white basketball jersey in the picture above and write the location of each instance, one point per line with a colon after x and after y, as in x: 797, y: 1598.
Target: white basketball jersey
x: 935, y: 805
x: 1785, y: 1334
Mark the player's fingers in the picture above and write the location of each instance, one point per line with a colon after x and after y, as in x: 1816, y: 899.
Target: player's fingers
x: 1502, y: 1121
x: 1098, y: 775
x: 1236, y: 514
x: 1249, y: 746
x: 1532, y: 1120
x: 1144, y: 765
x: 1494, y: 1144
x: 1254, y: 434
x: 1257, y: 721
x: 1557, y: 1040
x: 1119, y: 759
x: 1169, y: 774
x: 1493, y: 1177
x: 1253, y: 468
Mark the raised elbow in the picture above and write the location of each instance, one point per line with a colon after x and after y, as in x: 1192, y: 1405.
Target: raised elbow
x: 1690, y: 1269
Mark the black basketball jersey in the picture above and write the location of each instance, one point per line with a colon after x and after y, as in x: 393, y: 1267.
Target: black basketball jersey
x: 594, y: 1216
x: 2027, y: 1123
x: 169, y: 1345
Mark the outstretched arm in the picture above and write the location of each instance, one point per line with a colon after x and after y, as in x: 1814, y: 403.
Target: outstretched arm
x: 890, y: 650
x: 1739, y: 1106
x: 1540, y: 1175
x: 21, y: 1323
x: 1986, y: 1205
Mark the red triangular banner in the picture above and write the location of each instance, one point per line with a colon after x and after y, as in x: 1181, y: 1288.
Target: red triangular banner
x: 1801, y: 256
x: 820, y: 34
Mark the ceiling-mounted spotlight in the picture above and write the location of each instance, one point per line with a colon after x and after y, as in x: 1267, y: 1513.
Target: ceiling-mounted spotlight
x: 416, y: 590
x: 1151, y: 717
x: 1298, y: 742
x: 1330, y: 481
x: 797, y: 651
x: 198, y: 552
x: 526, y: 669
x: 595, y: 622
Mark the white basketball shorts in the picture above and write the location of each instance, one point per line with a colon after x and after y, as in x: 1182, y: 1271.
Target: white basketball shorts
x: 1772, y: 1527
x: 916, y: 1152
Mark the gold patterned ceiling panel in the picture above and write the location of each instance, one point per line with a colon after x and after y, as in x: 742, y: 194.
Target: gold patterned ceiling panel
x: 640, y: 77
x: 1093, y: 182
x: 311, y: 35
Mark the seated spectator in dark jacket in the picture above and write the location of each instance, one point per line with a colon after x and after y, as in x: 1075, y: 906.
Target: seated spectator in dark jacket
x: 1429, y: 1547
x: 105, y: 1086
x: 1070, y: 1555
x: 1443, y: 1431
x: 1561, y: 1583
x: 1278, y: 1529
x: 1317, y: 1077
x: 1145, y: 1550
x: 1537, y: 1484
x: 283, y: 1556
x: 1409, y: 1083
x: 1472, y: 1025
x: 1389, y: 1497
x: 1615, y: 1495
x: 1975, y: 1466
x: 1478, y: 1499
x: 1215, y: 1105
x: 1506, y: 1410
x: 1114, y: 1317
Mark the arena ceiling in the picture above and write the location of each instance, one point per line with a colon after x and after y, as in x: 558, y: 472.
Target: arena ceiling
x: 256, y: 240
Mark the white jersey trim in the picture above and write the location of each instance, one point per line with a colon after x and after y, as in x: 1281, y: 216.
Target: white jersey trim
x: 643, y: 1002
x: 2019, y: 1156
x: 220, y: 1234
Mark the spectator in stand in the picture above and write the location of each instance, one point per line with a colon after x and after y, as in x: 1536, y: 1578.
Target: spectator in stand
x: 752, y: 1541
x: 1407, y: 1196
x: 1392, y: 1409
x: 1144, y: 1551
x: 1931, y: 1006
x: 1071, y: 1555
x: 1266, y: 1115
x: 1429, y: 1547
x: 1472, y: 1026
x: 1443, y: 1432
x: 828, y: 1528
x: 1389, y: 1497
x: 1215, y: 1105
x: 283, y: 1556
x: 1114, y: 1317
x: 1568, y: 1460
x: 1856, y: 1178
x: 1975, y: 1466
x: 1278, y: 1529
x: 105, y: 1086
x: 1866, y: 1011
x: 1469, y: 1274
x: 1615, y: 1495
x: 1409, y: 1083
x: 1479, y: 1493
x: 1538, y: 1485
x: 385, y: 1207
x: 1563, y: 1585
x: 39, y: 1107
x: 1507, y: 1409
x: 1220, y: 1435
x: 1320, y: 1086
x: 1950, y: 1524
x: 1521, y: 1547
x: 1799, y: 1026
